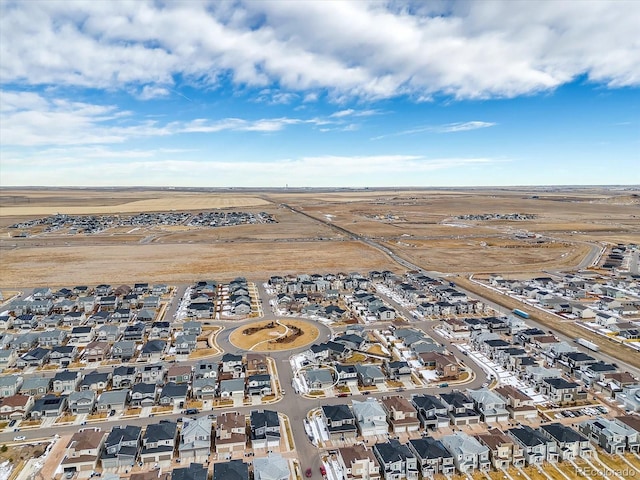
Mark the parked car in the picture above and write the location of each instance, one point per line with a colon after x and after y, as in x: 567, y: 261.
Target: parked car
x: 323, y: 470
x: 12, y: 422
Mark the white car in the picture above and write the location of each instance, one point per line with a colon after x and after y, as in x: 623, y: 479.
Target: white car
x: 19, y: 438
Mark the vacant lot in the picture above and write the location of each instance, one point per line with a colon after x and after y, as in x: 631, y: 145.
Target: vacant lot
x: 49, y: 205
x: 182, y: 263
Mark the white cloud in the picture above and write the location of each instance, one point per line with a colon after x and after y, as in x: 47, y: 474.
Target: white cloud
x: 167, y: 167
x: 365, y: 49
x: 464, y: 126
x: 447, y: 128
x: 149, y: 92
x: 30, y: 119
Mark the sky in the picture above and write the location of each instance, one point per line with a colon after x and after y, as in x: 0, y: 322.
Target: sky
x: 319, y: 93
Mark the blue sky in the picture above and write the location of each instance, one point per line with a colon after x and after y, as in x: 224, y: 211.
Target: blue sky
x: 346, y: 94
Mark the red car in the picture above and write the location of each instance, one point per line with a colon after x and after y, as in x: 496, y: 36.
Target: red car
x: 323, y: 470
x: 307, y: 473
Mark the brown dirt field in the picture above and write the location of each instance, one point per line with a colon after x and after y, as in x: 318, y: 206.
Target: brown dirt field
x: 246, y: 342
x: 160, y: 203
x: 608, y: 347
x: 489, y: 255
x: 31, y: 267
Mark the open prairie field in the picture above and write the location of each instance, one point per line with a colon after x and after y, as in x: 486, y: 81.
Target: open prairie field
x: 489, y: 254
x: 162, y: 203
x: 182, y: 263
x: 438, y: 229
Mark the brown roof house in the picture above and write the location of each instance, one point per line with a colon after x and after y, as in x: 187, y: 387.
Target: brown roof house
x: 401, y: 415
x: 230, y: 433
x: 96, y: 351
x: 15, y: 406
x: 358, y: 463
x: 445, y: 365
x: 503, y: 450
x: 519, y: 404
x: 83, y: 450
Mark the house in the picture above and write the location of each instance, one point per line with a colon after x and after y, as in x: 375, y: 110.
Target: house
x: 433, y: 458
x: 186, y: 343
x: 396, y: 461
x: 95, y: 380
x: 134, y: 332
x: 536, y: 447
x: 401, y: 414
x: 192, y: 328
x: 35, y: 386
x: 195, y: 439
x: 113, y: 400
x: 10, y: 385
x: 632, y: 422
x: 48, y: 406
x: 271, y: 467
x: 256, y: 364
x: 205, y: 388
x: 65, y: 381
x: 571, y: 444
x: 206, y: 369
x: 179, y: 374
x: 265, y: 429
x: 357, y: 462
x: 259, y: 384
x: 398, y: 370
x: 159, y: 442
x: 232, y: 364
x: 232, y: 388
x: 63, y: 356
x: 160, y: 330
x: 96, y: 351
x: 143, y: 394
x: 231, y: 470
x: 121, y: 447
x: 468, y: 453
x: 81, y: 335
x: 35, y: 357
x: 123, y: 350
x: 503, y: 450
x: 52, y: 338
x: 518, y: 404
x: 432, y: 412
x: 491, y: 406
x: 81, y: 402
x: 8, y: 358
x: 340, y: 421
x: 369, y: 375
x: 371, y: 417
x: 352, y: 341
x: 15, y: 407
x: 230, y: 433
x: 83, y: 451
x: 560, y: 390
x: 123, y: 377
x: 153, y: 373
x: 612, y: 436
x: 145, y: 315
x: 319, y: 378
x: 347, y: 375
x: 445, y: 366
x: 153, y: 350
x: 460, y: 408
x: 174, y: 394
x: 195, y: 471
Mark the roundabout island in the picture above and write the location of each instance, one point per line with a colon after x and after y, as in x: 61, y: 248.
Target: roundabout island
x: 274, y: 335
